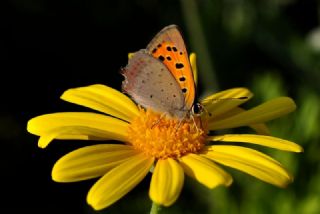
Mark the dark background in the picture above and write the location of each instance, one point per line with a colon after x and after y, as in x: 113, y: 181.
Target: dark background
x: 50, y: 46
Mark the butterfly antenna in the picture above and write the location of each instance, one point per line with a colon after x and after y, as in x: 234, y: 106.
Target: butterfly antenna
x: 206, y: 111
x: 211, y: 101
x: 229, y: 98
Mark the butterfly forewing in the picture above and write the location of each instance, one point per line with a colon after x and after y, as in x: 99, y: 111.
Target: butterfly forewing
x: 150, y: 84
x: 168, y: 46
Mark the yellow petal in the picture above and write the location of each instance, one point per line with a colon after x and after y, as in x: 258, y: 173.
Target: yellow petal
x: 224, y: 101
x: 268, y: 141
x: 260, y: 128
x: 262, y: 113
x: 130, y: 55
x: 193, y: 62
x: 204, y: 171
x: 90, y: 162
x: 251, y: 162
x: 77, y: 125
x: 119, y: 181
x: 166, y: 183
x: 103, y: 99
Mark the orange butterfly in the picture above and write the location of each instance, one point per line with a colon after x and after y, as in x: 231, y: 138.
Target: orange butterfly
x: 161, y: 76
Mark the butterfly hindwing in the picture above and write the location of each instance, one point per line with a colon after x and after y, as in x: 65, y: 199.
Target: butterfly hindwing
x: 149, y: 83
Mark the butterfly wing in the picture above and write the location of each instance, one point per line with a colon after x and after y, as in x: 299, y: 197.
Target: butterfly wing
x: 169, y: 47
x: 150, y: 84
x: 169, y: 34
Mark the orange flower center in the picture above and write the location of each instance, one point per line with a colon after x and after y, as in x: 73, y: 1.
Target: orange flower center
x: 161, y: 137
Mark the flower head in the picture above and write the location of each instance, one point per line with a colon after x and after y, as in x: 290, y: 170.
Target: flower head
x: 152, y: 140
x: 161, y: 137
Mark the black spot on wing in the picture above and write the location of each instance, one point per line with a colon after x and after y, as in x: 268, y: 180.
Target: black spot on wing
x: 182, y: 79
x: 168, y: 58
x: 174, y: 49
x: 168, y: 48
x: 179, y: 65
x: 184, y: 90
x: 161, y: 58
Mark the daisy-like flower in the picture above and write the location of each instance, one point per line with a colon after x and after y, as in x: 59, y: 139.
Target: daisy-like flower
x: 152, y: 142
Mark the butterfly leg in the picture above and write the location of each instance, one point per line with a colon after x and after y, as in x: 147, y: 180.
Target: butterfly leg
x: 195, y: 123
x: 158, y: 121
x: 179, y: 124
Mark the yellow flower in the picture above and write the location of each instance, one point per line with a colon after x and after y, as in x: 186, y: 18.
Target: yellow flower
x: 167, y: 147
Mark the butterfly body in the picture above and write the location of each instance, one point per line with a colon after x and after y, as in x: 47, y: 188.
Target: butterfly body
x: 160, y: 77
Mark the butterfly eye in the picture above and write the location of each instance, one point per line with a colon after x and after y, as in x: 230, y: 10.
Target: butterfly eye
x: 197, y: 109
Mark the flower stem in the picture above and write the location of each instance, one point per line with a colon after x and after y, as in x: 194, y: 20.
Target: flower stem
x: 200, y: 46
x: 155, y: 208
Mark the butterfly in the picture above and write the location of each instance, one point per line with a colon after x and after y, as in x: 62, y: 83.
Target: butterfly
x: 160, y: 77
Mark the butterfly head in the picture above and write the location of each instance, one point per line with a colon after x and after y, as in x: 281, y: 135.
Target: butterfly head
x: 197, y: 109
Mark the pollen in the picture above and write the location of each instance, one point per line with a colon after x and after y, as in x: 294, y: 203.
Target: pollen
x: 161, y: 136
